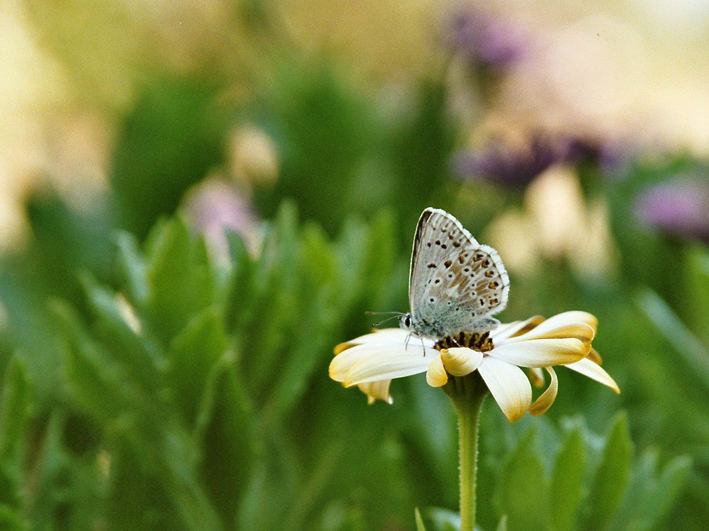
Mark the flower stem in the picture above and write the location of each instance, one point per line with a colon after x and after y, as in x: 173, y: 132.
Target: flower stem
x: 467, y: 394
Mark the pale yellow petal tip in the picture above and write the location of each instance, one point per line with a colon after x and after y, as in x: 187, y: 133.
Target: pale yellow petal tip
x: 335, y: 374
x: 580, y: 315
x: 542, y: 404
x: 341, y: 347
x: 594, y: 371
x: 595, y: 357
x: 377, y: 391
x: 508, y: 385
x: 513, y: 416
x: 436, y: 375
x: 609, y: 382
x: 537, y: 376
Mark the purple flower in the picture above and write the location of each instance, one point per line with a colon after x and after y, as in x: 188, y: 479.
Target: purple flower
x: 610, y: 155
x: 481, y: 38
x: 679, y: 207
x: 213, y: 207
x: 512, y: 166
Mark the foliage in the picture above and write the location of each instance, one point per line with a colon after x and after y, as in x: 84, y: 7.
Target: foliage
x: 194, y: 397
x: 578, y: 480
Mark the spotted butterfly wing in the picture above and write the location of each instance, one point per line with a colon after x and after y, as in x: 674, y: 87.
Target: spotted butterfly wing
x: 455, y: 283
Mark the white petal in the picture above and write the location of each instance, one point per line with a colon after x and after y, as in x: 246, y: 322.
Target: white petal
x: 436, y: 375
x: 506, y: 330
x: 577, y: 315
x: 541, y: 352
x: 392, y: 336
x: 595, y: 372
x: 546, y: 399
x: 509, y: 387
x: 571, y: 317
x: 556, y: 328
x: 372, y: 363
x: 460, y: 361
x: 346, y: 359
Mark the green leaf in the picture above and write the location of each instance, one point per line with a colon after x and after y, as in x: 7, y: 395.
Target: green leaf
x: 419, y: 521
x: 11, y: 519
x: 667, y: 489
x: 118, y: 328
x: 97, y: 382
x: 13, y: 407
x: 502, y: 524
x: 131, y: 268
x: 611, y: 476
x: 522, y: 489
x: 697, y: 289
x: 191, y: 356
x: 650, y: 497
x: 668, y: 323
x: 136, y: 500
x: 442, y: 519
x: 566, y: 481
x: 275, y: 304
x: 225, y: 426
x: 179, y: 279
x: 239, y: 296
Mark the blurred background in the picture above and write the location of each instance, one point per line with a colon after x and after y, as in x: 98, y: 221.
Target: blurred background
x: 151, y: 381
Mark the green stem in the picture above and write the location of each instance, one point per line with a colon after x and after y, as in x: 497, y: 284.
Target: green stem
x: 467, y: 394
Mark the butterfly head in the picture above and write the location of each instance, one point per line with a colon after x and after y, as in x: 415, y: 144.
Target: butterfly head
x: 405, y: 321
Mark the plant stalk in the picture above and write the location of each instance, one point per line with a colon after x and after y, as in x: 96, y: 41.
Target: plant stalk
x: 467, y: 394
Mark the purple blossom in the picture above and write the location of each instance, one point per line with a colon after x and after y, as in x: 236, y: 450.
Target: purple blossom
x: 679, y: 207
x: 512, y: 166
x: 213, y: 207
x: 482, y: 38
x: 611, y: 156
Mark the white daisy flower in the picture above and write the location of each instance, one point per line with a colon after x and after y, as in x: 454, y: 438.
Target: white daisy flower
x: 373, y: 360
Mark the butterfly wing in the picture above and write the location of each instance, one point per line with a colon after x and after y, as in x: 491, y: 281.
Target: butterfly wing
x: 455, y: 283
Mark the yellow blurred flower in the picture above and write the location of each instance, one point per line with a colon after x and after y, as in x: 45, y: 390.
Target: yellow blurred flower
x: 253, y: 157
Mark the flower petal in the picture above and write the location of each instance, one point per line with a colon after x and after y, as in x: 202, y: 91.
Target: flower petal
x: 460, y: 361
x: 574, y: 316
x: 377, y: 391
x: 509, y: 387
x: 595, y: 357
x: 371, y: 363
x: 559, y: 328
x: 595, y: 372
x: 546, y: 399
x: 515, y: 328
x: 541, y: 352
x: 537, y: 376
x: 436, y: 375
x: 393, y: 336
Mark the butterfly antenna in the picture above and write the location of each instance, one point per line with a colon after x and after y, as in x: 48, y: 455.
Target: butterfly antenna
x: 395, y: 315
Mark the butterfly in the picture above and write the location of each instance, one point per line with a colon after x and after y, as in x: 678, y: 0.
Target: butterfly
x: 455, y: 283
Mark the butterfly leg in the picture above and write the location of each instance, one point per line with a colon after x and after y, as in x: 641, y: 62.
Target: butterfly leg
x: 423, y: 347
